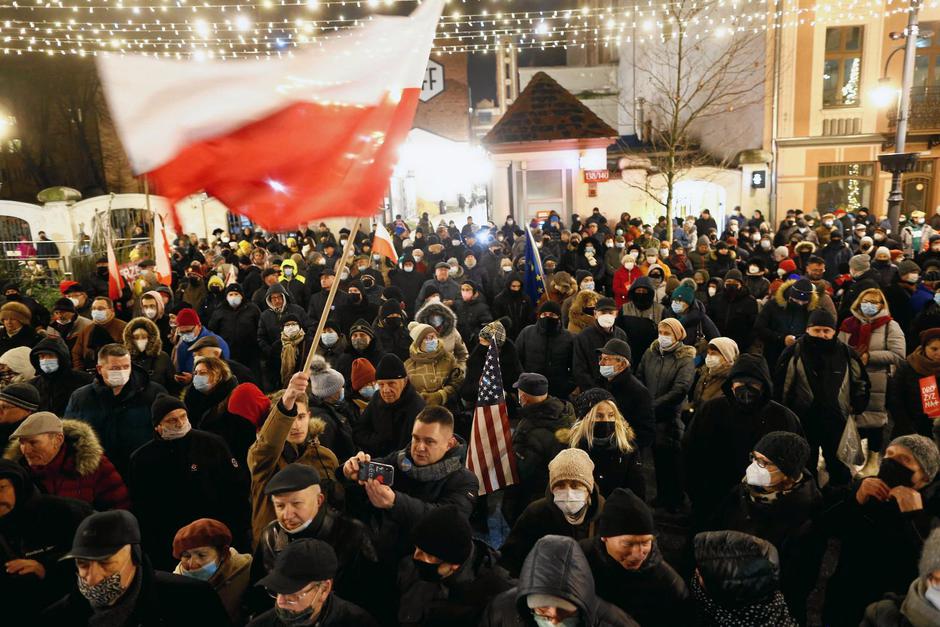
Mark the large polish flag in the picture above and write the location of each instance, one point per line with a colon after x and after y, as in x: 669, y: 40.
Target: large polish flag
x: 285, y: 141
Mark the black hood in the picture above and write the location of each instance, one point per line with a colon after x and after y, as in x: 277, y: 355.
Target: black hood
x: 738, y: 569
x: 23, y: 487
x: 55, y: 346
x: 643, y: 281
x: 753, y: 366
x: 556, y: 566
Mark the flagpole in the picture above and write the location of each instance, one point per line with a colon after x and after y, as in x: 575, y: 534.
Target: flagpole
x: 347, y: 253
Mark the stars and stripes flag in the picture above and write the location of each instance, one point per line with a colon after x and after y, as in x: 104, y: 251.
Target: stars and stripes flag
x: 491, y: 457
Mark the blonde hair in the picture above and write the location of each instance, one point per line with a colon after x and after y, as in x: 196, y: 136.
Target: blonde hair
x: 584, y: 429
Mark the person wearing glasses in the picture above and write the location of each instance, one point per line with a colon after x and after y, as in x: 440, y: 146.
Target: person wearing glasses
x: 301, y: 584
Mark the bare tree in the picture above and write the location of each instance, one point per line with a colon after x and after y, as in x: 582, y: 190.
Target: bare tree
x: 692, y: 75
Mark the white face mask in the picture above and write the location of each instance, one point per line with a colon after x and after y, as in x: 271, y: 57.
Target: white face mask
x: 292, y: 330
x: 606, y: 320
x: 150, y: 312
x: 570, y: 500
x: 933, y: 595
x: 234, y: 300
x: 629, y: 264
x: 665, y: 342
x: 713, y: 361
x: 141, y: 345
x: 117, y: 378
x: 757, y: 476
x: 712, y: 291
x: 76, y: 301
x: 99, y: 315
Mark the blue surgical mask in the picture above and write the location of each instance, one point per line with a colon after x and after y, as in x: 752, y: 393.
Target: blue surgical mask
x: 202, y: 574
x: 430, y: 346
x: 188, y: 337
x: 201, y: 382
x: 869, y: 309
x: 329, y: 339
x: 571, y: 621
x: 368, y: 391
x: 678, y: 306
x: 99, y: 315
x: 48, y: 365
x: 437, y: 321
x: 342, y: 395
x: 608, y: 371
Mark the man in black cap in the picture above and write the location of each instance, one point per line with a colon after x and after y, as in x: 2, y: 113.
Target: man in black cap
x: 629, y: 570
x: 391, y: 331
x: 451, y: 577
x: 631, y: 396
x: 387, y: 421
x: 181, y: 475
x: 823, y: 381
x: 78, y: 294
x: 446, y: 286
x: 235, y: 320
x: 783, y: 319
x: 17, y: 401
x: 35, y: 530
x: 301, y: 583
x: 586, y: 369
x: 118, y: 586
x: 302, y: 513
x: 67, y: 322
x: 547, y: 347
x: 534, y: 441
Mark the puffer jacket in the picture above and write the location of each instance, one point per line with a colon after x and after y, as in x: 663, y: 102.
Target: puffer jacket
x: 556, y: 566
x: 239, y: 328
x: 886, y: 352
x: 80, y: 470
x: 435, y: 376
x: 449, y: 336
x: 668, y: 376
x: 913, y: 610
x: 56, y: 388
x: 549, y: 354
x: 779, y: 318
x: 578, y: 318
x: 471, y: 317
x: 793, y: 389
x: 154, y: 360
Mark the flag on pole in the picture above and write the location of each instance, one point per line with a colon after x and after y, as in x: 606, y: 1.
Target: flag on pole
x: 533, y: 281
x: 382, y: 244
x: 115, y: 281
x: 491, y: 457
x: 161, y: 251
x: 314, y: 134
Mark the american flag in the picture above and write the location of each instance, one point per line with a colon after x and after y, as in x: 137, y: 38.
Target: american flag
x: 491, y: 457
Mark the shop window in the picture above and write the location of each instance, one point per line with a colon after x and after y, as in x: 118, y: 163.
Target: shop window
x: 917, y: 188
x: 844, y: 186
x: 842, y: 68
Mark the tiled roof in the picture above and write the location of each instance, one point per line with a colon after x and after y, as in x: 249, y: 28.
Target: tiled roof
x: 547, y: 111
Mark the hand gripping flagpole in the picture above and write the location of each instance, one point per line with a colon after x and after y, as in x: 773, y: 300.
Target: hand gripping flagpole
x: 347, y: 251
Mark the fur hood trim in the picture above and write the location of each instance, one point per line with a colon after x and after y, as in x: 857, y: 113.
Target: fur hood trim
x: 450, y: 318
x: 154, y: 343
x: 780, y: 296
x: 316, y: 427
x: 80, y: 440
x: 584, y: 298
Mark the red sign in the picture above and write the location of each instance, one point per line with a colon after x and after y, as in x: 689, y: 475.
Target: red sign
x: 929, y: 397
x: 596, y: 176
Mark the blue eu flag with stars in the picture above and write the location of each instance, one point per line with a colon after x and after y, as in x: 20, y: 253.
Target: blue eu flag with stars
x: 533, y: 282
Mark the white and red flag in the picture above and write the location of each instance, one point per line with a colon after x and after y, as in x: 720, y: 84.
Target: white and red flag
x: 115, y: 280
x: 161, y: 251
x: 285, y: 141
x: 490, y: 455
x: 382, y: 244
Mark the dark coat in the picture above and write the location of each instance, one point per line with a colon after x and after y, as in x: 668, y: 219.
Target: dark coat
x: 174, y: 482
x: 904, y: 403
x: 697, y: 324
x: 164, y: 600
x: 239, y: 328
x: 471, y: 317
x: 550, y: 355
x: 779, y: 318
x: 336, y: 613
x: 641, y: 330
x: 871, y: 279
x: 209, y: 405
x: 338, y: 419
x: 587, y: 372
x: 239, y: 433
x: 614, y: 468
x: 395, y: 341
x: 509, y: 366
x: 734, y: 316
x: 26, y: 336
x: 271, y: 322
x: 514, y: 305
x: 123, y: 422
x: 410, y: 284
x: 459, y: 600
x: 55, y: 389
x: 636, y: 405
x: 654, y: 594
x: 556, y: 567
x: 318, y: 304
x: 383, y: 428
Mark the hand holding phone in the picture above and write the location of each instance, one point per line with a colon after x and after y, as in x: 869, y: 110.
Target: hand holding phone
x: 381, y: 473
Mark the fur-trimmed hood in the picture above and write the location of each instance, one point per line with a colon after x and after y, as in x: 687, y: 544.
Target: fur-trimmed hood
x: 780, y: 296
x: 154, y: 343
x: 450, y: 318
x: 81, y: 442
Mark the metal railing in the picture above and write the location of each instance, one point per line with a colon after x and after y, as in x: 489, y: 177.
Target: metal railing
x: 925, y: 110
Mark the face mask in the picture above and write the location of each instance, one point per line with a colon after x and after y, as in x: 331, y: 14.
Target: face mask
x: 911, y: 278
x: 117, y: 378
x: 470, y: 263
x: 427, y: 572
x: 541, y: 621
x: 203, y: 573
x: 48, y: 365
x: 589, y: 250
x: 430, y: 346
x: 666, y: 342
x: 765, y: 245
x: 603, y: 430
x: 549, y: 325
x: 869, y: 309
x: 713, y: 361
x: 329, y: 339
x: 678, y: 306
x: 344, y: 275
x: 368, y: 391
x: 606, y: 320
x: 141, y: 345
x: 104, y: 593
x: 712, y: 291
x: 288, y: 272
x: 570, y: 501
x: 933, y: 595
x: 895, y: 474
x: 587, y: 287
x: 757, y: 476
x: 102, y: 272
x: 747, y: 395
x: 150, y: 312
x: 437, y: 321
x: 506, y: 268
x: 753, y: 270
x: 408, y: 268
x: 360, y: 344
x: 234, y: 301
x: 936, y: 297
x: 608, y: 371
x: 75, y: 302
x: 651, y: 259
x: 99, y: 315
x: 629, y: 264
x: 201, y: 382
x: 290, y: 618
x: 455, y: 242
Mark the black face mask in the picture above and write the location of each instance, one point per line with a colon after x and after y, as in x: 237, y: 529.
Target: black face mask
x: 427, y: 572
x: 102, y: 272
x: 393, y: 323
x: 603, y: 430
x: 549, y: 325
x: 731, y: 290
x: 747, y: 395
x: 642, y: 300
x: 588, y: 311
x: 819, y: 344
x: 355, y: 298
x: 895, y: 474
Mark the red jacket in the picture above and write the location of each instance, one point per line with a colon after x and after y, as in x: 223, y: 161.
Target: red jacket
x: 623, y: 279
x: 80, y: 470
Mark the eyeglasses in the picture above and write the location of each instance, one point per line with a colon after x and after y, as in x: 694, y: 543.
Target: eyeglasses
x: 760, y: 463
x: 295, y: 598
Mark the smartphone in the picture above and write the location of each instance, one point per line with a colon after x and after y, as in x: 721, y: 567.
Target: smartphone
x: 383, y: 473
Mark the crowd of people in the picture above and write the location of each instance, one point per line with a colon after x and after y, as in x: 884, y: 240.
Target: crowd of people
x: 702, y: 415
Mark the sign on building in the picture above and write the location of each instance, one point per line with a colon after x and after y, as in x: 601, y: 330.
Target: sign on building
x: 596, y: 176
x: 433, y: 83
x: 758, y: 179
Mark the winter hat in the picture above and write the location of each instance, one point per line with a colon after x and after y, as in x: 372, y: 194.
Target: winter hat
x: 16, y: 311
x: 580, y: 275
x: 908, y: 267
x: 65, y: 285
x: 162, y: 405
x: 418, y: 331
x: 187, y: 318
x: 550, y: 306
x: 391, y: 292
x: 36, y: 424
x: 788, y: 451
x: 234, y: 287
x: 727, y: 347
x: 249, y: 402
x: 202, y: 532
x: 924, y: 450
x: 821, y: 318
x: 363, y: 373
x: 684, y: 294
x: 801, y: 290
x: 675, y: 326
x: 787, y: 265
x: 735, y: 275
x: 361, y: 326
x: 22, y: 395
x: 625, y: 514
x: 444, y: 533
x: 324, y: 381
x: 860, y: 263
x: 216, y: 281
x: 882, y: 254
x: 930, y: 555
x: 64, y: 304
x: 572, y: 464
x: 494, y: 331
x: 589, y: 398
x: 17, y: 360
x: 390, y: 367
x: 389, y: 307
x: 293, y: 318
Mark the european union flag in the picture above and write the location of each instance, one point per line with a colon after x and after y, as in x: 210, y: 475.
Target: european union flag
x: 533, y: 282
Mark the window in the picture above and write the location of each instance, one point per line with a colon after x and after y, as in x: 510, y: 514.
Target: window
x: 844, y: 186
x: 916, y: 187
x: 927, y: 61
x: 842, y: 68
x: 11, y: 230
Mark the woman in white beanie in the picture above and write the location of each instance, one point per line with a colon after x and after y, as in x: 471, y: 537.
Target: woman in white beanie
x: 719, y: 357
x: 15, y: 366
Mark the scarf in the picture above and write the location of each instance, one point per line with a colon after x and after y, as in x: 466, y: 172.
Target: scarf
x: 860, y: 332
x: 433, y: 472
x: 770, y: 612
x: 289, y: 350
x: 921, y: 365
x: 916, y: 608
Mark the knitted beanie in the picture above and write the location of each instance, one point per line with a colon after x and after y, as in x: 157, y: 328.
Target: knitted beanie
x: 249, y: 402
x: 494, y: 331
x: 572, y: 464
x: 584, y: 402
x: 684, y: 293
x: 64, y: 304
x: 625, y: 514
x: 788, y: 451
x: 860, y: 263
x: 727, y: 347
x: 675, y: 326
x: 16, y: 311
x: 163, y: 405
x: 324, y: 381
x: 389, y: 307
x: 444, y: 533
x: 923, y: 450
x: 363, y: 373
x: 390, y: 367
x: 821, y: 318
x: 930, y: 556
x: 418, y: 331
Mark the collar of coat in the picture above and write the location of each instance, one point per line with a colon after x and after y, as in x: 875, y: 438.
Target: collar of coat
x: 80, y: 442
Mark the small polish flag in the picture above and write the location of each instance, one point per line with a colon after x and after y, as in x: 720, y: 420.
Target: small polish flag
x: 115, y: 280
x: 382, y: 244
x: 161, y: 251
x: 286, y: 141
